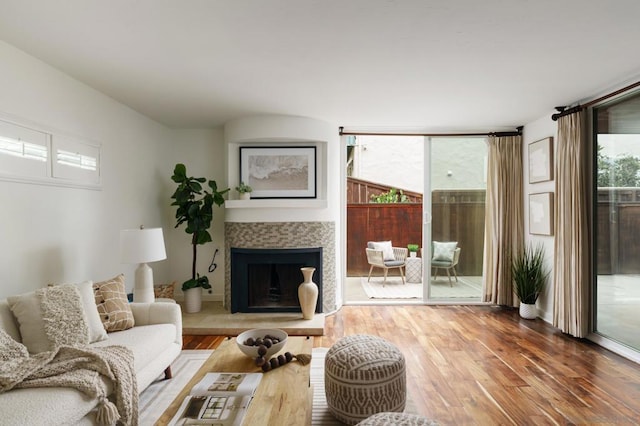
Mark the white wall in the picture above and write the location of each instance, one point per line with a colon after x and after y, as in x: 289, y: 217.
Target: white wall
x: 57, y: 234
x: 398, y: 162
x: 542, y: 128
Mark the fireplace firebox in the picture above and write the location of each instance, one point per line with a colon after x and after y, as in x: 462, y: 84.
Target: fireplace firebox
x: 267, y: 280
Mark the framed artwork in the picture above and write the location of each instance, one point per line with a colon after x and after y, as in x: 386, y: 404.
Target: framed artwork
x: 541, y: 213
x: 541, y: 160
x: 279, y: 172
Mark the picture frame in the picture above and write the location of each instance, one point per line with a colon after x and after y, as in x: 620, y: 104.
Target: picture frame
x: 279, y: 171
x: 541, y: 160
x: 541, y: 213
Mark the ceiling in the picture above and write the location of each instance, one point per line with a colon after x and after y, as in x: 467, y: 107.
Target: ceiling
x: 433, y: 65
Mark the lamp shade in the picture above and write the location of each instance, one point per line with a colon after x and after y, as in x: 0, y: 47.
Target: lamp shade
x: 142, y: 245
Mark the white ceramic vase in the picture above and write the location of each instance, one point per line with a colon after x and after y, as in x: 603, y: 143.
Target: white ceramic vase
x: 193, y: 300
x: 412, y: 253
x: 245, y: 196
x: 308, y: 293
x: 528, y: 311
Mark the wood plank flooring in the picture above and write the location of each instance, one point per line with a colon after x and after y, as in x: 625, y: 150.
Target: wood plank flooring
x: 481, y: 365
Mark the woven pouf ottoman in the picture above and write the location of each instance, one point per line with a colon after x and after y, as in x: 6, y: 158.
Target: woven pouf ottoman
x: 397, y: 419
x: 364, y: 375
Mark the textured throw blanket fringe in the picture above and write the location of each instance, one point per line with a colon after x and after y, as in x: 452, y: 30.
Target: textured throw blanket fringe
x: 81, y: 368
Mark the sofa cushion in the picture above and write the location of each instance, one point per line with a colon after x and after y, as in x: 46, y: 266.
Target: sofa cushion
x: 45, y: 406
x: 146, y: 341
x: 113, y: 305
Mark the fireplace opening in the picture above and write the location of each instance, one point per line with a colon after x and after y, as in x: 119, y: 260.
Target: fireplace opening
x: 267, y: 280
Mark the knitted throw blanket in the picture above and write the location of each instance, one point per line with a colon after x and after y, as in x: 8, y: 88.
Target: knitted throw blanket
x: 79, y: 368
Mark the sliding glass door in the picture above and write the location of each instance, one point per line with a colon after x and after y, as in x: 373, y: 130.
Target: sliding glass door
x: 617, y: 221
x: 454, y: 223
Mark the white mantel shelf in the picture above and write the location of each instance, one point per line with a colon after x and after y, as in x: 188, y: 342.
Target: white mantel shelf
x: 276, y: 204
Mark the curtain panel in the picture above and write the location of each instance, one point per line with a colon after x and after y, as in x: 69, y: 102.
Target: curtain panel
x: 571, y: 263
x: 504, y: 218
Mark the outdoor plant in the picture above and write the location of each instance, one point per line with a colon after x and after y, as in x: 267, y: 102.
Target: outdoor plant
x: 195, y: 208
x: 243, y: 187
x: 391, y: 196
x: 529, y: 273
x: 413, y: 248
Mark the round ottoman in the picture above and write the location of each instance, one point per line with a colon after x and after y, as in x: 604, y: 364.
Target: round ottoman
x: 397, y: 419
x: 364, y: 375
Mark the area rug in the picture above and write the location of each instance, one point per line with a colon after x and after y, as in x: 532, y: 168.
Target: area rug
x: 440, y: 289
x: 160, y: 394
x: 320, y: 415
x: 392, y: 289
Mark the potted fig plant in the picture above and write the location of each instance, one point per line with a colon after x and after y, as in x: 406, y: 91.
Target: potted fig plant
x: 529, y: 278
x: 413, y: 249
x: 244, y: 190
x: 195, y: 208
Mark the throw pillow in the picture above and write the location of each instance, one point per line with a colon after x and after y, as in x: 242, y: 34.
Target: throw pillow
x: 164, y: 291
x: 444, y: 251
x: 96, y: 329
x: 113, y: 305
x: 26, y: 309
x: 50, y: 317
x: 387, y: 249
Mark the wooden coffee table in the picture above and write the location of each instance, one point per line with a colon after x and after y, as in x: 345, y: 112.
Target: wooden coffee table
x: 284, y: 396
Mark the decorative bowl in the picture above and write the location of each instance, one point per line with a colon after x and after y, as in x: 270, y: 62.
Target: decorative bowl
x: 252, y: 351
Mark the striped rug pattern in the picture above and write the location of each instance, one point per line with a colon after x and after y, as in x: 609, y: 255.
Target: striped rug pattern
x: 161, y: 393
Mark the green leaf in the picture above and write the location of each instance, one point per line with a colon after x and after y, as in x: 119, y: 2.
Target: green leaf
x: 179, y: 173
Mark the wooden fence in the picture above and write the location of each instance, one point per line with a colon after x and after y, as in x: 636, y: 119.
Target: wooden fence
x: 459, y: 216
x: 618, y: 229
x: 456, y: 216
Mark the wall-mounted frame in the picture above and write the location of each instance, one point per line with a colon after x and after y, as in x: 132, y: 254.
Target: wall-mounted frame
x: 541, y: 160
x: 541, y: 213
x: 279, y: 171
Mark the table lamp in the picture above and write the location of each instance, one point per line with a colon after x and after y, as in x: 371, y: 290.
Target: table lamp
x: 142, y: 246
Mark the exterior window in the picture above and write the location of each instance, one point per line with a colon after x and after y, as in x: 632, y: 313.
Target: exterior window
x: 74, y: 159
x: 36, y: 156
x: 18, y: 148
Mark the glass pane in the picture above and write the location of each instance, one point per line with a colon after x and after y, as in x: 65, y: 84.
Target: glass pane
x: 458, y: 188
x: 617, y: 292
x: 385, y: 183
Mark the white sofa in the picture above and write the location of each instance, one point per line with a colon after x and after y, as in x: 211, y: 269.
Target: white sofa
x: 156, y: 341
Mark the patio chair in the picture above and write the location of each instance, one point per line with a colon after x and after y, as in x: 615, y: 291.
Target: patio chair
x: 447, y: 265
x: 384, y: 255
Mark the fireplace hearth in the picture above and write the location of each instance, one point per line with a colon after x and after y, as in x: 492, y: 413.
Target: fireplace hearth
x: 267, y: 280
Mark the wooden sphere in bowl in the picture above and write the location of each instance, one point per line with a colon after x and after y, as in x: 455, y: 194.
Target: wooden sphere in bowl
x: 252, y: 351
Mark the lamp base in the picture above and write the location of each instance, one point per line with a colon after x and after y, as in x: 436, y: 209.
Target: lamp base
x: 143, y: 287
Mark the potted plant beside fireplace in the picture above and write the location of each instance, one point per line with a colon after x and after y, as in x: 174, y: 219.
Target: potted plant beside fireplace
x: 195, y: 208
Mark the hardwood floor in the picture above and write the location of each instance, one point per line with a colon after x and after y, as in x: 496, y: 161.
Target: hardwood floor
x: 480, y: 365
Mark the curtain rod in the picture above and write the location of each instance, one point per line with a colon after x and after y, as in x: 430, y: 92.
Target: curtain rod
x: 518, y: 132
x: 562, y: 110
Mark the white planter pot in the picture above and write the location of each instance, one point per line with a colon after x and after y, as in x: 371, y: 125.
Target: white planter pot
x: 413, y: 253
x: 245, y: 196
x: 528, y: 311
x: 193, y: 300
